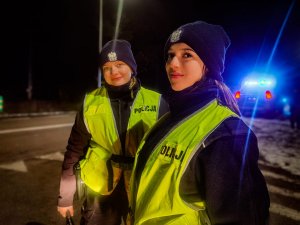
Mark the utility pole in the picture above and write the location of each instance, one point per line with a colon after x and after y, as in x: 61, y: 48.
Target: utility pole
x: 100, y: 36
x: 29, y: 85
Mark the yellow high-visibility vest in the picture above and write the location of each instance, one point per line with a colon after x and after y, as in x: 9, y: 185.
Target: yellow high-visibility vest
x: 156, y: 198
x: 98, y: 171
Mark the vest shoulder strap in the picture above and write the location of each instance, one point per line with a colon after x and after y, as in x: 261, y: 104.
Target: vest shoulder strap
x: 232, y: 126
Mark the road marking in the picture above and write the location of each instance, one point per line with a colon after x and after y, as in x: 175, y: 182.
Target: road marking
x: 52, y: 156
x: 285, y: 211
x: 284, y: 192
x: 16, y: 166
x: 20, y: 165
x: 35, y: 128
x: 279, y: 177
x: 274, y: 208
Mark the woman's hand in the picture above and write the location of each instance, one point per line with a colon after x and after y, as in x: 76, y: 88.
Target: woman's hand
x: 63, y: 210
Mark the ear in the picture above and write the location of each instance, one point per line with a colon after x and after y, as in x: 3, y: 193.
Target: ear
x: 204, y: 70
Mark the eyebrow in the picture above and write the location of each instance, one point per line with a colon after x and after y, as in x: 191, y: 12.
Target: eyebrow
x: 187, y: 49
x: 182, y: 49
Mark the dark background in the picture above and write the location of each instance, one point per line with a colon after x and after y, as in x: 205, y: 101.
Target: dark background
x: 56, y: 41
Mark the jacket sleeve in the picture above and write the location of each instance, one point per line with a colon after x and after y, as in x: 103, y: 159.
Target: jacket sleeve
x: 77, y: 145
x: 226, y: 176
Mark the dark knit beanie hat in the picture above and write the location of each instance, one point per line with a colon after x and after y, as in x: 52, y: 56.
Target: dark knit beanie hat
x: 209, y: 41
x: 118, y: 50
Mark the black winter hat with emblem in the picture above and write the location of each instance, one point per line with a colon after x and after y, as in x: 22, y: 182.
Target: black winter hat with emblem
x: 118, y: 50
x: 209, y: 41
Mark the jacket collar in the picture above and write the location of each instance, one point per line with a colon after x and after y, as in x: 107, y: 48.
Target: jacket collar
x: 187, y: 101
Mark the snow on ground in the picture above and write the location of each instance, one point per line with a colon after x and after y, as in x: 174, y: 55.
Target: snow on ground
x: 279, y: 144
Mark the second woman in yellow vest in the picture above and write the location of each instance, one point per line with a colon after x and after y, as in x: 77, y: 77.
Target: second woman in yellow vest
x: 198, y: 165
x: 105, y: 136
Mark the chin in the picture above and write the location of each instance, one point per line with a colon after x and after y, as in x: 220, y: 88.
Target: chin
x: 118, y: 83
x: 174, y: 88
x: 178, y: 87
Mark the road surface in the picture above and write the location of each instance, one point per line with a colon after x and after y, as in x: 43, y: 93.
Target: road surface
x: 30, y: 162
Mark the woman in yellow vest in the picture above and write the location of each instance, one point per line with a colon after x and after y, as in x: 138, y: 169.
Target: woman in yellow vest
x: 198, y: 164
x: 105, y: 136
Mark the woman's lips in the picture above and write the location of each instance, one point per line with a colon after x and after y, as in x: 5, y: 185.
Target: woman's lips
x: 116, y: 78
x: 175, y: 75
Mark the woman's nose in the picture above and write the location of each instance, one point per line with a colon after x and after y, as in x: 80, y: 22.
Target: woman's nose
x: 114, y: 70
x: 174, y: 62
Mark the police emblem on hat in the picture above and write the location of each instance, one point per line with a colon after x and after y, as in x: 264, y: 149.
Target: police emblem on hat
x: 175, y: 36
x: 112, y: 56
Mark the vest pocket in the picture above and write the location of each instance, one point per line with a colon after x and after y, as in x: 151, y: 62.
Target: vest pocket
x: 95, y: 173
x: 99, y: 174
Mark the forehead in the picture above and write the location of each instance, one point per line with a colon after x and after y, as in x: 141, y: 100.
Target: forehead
x: 114, y: 63
x: 180, y: 47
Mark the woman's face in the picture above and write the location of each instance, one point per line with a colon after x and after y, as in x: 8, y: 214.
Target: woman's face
x: 184, y: 67
x: 116, y: 73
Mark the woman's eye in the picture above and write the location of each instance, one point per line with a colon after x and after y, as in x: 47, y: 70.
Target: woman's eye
x: 187, y: 55
x: 170, y: 56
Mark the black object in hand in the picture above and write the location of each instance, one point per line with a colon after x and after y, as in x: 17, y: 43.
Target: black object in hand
x: 69, y: 219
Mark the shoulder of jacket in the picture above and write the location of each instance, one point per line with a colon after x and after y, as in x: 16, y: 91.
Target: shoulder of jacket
x: 149, y: 90
x: 232, y: 126
x: 96, y: 91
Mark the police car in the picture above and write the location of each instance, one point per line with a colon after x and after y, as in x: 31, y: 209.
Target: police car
x: 256, y: 96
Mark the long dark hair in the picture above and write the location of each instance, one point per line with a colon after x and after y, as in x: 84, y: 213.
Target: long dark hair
x: 228, y: 97
x: 226, y: 94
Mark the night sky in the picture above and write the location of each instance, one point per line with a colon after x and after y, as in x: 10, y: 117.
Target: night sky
x: 56, y: 41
